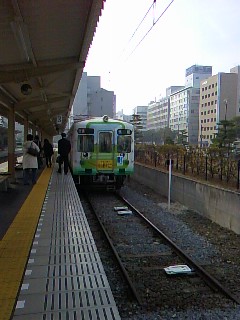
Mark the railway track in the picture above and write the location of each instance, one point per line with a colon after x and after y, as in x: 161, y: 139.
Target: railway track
x: 143, y: 251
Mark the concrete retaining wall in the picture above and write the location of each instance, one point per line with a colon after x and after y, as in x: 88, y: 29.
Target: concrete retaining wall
x: 220, y: 205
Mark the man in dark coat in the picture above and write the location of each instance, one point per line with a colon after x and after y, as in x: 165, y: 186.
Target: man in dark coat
x: 64, y: 147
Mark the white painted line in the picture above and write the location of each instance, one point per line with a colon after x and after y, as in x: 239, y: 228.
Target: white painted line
x: 25, y: 286
x: 28, y: 272
x: 20, y: 304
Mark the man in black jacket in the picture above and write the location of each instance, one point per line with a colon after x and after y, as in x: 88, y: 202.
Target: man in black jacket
x: 64, y: 147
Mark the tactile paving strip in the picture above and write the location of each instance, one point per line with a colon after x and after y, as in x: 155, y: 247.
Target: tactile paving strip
x: 64, y: 277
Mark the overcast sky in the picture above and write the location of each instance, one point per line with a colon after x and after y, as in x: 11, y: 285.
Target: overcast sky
x: 138, y: 69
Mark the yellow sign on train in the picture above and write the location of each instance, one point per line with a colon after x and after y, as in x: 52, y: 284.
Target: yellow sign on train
x: 105, y: 164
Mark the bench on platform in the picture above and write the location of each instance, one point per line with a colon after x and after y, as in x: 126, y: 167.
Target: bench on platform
x: 4, y: 182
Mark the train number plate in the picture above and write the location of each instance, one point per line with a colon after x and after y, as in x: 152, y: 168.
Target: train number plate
x: 105, y: 164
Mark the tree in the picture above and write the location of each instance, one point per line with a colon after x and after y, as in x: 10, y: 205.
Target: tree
x: 182, y: 138
x: 236, y: 121
x: 226, y: 134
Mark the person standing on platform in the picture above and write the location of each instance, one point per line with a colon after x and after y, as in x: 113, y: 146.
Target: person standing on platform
x: 29, y: 161
x: 48, y: 152
x: 39, y: 158
x: 64, y: 147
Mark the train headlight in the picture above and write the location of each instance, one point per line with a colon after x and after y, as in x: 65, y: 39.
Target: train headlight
x: 105, y: 118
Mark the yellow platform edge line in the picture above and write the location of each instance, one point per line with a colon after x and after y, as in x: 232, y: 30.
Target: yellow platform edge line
x: 21, y: 240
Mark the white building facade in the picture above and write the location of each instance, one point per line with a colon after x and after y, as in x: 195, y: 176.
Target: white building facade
x: 158, y: 114
x: 184, y: 106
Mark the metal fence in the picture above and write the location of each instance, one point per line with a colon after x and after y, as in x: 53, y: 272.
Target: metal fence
x: 213, y: 165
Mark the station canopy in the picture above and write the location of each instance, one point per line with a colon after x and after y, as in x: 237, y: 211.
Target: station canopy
x: 44, y: 47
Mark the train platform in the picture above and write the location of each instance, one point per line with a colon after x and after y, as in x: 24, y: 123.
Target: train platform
x: 49, y: 264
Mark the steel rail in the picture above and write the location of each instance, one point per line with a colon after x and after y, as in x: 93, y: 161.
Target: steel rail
x: 124, y: 271
x: 207, y: 277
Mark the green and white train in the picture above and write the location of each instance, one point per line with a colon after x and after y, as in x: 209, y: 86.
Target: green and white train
x: 102, y: 151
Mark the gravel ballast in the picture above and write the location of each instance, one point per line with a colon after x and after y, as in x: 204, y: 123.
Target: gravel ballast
x: 210, y: 243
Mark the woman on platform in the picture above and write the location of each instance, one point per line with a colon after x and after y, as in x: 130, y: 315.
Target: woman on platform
x: 30, y: 162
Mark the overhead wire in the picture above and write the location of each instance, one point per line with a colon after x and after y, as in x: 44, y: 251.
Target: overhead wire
x: 154, y: 23
x: 152, y: 5
x: 154, y: 1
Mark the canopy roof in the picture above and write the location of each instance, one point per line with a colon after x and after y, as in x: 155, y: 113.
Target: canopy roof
x: 44, y: 46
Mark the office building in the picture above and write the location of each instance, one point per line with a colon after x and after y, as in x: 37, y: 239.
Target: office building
x: 158, y: 114
x: 184, y: 106
x: 92, y: 100
x: 218, y: 101
x: 195, y: 74
x: 237, y: 71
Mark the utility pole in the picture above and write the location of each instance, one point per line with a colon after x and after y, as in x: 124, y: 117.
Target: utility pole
x: 225, y: 118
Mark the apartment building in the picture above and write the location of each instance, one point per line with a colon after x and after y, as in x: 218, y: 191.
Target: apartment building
x: 218, y: 101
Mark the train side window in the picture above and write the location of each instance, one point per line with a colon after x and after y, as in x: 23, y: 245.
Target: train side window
x: 124, y: 144
x: 105, y: 142
x: 85, y: 143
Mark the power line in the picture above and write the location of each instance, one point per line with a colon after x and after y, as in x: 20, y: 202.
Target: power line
x: 150, y: 28
x: 142, y: 20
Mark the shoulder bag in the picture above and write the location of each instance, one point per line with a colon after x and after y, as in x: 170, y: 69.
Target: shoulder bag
x: 32, y: 151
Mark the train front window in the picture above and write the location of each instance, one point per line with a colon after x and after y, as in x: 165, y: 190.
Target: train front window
x: 85, y: 143
x: 124, y: 144
x: 105, y: 142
